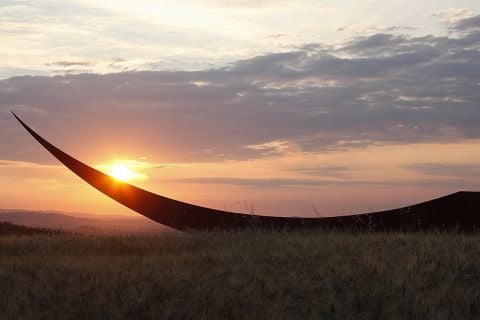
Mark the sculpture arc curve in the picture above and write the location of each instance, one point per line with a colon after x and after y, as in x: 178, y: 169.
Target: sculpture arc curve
x: 457, y: 210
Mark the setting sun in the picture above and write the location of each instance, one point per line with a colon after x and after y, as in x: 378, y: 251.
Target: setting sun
x: 123, y: 170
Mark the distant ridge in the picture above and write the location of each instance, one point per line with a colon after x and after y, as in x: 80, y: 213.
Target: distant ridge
x: 72, y: 222
x: 8, y: 228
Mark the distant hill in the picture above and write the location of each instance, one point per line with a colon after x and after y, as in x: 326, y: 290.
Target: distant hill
x: 8, y: 228
x: 80, y: 222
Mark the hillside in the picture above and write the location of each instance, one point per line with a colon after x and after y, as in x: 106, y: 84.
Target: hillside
x: 8, y: 228
x: 79, y: 222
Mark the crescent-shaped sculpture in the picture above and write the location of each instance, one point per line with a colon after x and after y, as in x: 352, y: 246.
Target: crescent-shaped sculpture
x: 457, y: 210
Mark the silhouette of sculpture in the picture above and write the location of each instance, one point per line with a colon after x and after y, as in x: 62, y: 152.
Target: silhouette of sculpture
x: 458, y: 210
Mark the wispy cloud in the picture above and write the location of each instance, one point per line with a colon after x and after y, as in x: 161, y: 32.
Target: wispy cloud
x: 459, y: 170
x: 71, y: 63
x: 271, y: 147
x: 292, y: 182
x: 321, y: 170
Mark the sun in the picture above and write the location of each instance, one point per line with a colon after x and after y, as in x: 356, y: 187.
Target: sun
x: 122, y: 172
x: 125, y: 170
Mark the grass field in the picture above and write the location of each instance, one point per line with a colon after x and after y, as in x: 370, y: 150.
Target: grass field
x: 243, y: 275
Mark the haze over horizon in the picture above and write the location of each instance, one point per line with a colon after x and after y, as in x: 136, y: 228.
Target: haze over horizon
x: 312, y: 108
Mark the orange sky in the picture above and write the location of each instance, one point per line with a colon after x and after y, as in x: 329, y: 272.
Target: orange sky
x: 373, y: 178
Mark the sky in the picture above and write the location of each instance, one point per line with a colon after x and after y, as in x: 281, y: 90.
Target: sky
x: 305, y: 108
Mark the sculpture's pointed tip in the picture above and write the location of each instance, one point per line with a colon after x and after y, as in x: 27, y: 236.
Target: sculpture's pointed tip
x: 16, y: 117
x: 21, y: 122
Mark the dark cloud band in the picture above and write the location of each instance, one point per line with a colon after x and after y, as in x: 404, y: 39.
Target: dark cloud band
x: 382, y: 89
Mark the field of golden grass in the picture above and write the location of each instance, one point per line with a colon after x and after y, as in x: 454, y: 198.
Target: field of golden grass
x: 241, y: 275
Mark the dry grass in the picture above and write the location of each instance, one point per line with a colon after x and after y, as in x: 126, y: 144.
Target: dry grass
x: 244, y: 275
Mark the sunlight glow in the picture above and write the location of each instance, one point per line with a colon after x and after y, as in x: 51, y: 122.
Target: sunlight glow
x: 124, y: 170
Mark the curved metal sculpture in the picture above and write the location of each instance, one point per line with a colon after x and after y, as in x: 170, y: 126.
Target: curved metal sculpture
x: 457, y: 210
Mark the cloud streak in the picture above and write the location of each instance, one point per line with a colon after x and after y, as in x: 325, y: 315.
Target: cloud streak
x: 471, y: 171
x: 291, y: 182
